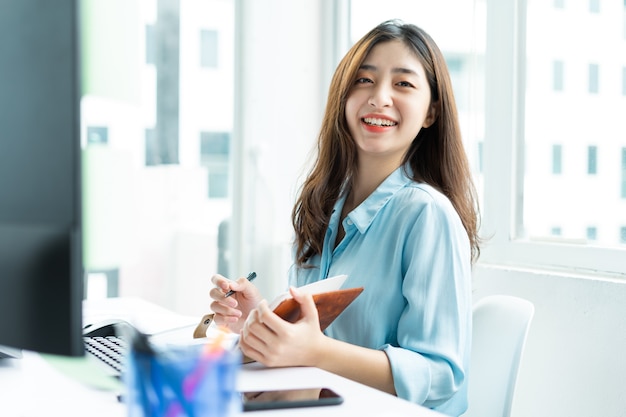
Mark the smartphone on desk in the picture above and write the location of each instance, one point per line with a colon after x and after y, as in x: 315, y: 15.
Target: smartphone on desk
x: 289, y: 398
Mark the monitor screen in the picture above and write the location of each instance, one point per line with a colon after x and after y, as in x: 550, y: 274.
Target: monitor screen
x: 41, y: 273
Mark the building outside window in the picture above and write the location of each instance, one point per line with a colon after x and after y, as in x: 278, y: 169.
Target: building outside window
x: 215, y: 156
x: 156, y: 99
x: 592, y: 233
x: 592, y: 160
x: 624, y: 21
x: 557, y: 75
x: 151, y: 47
x: 557, y: 159
x: 571, y: 115
x: 209, y: 48
x: 594, y: 78
x: 623, y: 193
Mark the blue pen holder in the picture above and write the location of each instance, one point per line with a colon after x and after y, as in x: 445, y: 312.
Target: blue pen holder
x: 183, y: 382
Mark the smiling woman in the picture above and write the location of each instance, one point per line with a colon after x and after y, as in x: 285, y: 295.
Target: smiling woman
x: 390, y: 203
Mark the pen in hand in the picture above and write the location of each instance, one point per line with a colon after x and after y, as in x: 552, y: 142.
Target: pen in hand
x: 251, y: 276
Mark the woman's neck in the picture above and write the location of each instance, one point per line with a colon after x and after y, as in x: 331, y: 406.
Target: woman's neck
x: 370, y: 174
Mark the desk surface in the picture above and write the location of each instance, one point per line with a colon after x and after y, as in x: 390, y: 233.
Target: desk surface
x: 35, y: 386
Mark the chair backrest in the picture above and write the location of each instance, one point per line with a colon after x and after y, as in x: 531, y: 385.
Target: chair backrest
x: 500, y: 328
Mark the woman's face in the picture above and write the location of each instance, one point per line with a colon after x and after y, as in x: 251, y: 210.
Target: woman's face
x: 389, y: 102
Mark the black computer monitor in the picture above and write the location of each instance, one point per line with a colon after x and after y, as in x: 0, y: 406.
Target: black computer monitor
x: 41, y: 273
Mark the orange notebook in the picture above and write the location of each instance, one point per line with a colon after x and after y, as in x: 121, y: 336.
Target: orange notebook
x: 329, y: 305
x: 329, y: 299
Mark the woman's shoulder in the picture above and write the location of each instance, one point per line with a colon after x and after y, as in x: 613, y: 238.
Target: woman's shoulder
x: 425, y: 207
x: 416, y: 198
x: 423, y: 194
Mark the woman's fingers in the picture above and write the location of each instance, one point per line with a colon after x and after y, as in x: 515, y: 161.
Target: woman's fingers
x: 307, y: 305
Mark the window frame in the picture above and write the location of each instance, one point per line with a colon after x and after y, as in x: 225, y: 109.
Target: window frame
x: 502, y: 210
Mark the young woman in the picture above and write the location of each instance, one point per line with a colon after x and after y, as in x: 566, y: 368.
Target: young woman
x: 389, y: 202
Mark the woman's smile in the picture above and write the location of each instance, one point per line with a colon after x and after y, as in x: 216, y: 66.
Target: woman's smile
x: 377, y: 123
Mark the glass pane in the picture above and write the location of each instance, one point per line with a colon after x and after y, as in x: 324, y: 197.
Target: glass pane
x: 458, y: 28
x: 574, y: 127
x: 157, y: 120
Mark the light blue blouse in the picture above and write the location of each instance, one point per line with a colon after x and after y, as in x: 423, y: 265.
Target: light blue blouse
x: 406, y: 245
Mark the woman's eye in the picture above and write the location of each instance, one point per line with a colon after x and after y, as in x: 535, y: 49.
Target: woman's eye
x: 363, y: 80
x: 405, y: 84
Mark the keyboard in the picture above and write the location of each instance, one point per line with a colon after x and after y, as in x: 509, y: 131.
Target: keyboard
x: 106, y: 343
x: 110, y: 350
x: 109, y: 342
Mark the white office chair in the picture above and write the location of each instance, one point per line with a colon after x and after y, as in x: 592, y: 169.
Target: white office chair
x: 501, y: 324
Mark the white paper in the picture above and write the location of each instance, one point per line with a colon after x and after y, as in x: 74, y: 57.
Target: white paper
x: 325, y: 285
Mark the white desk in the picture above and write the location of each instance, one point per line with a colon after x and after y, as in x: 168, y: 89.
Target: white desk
x: 34, y: 386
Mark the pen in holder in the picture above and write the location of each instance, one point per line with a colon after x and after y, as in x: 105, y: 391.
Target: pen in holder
x: 181, y: 381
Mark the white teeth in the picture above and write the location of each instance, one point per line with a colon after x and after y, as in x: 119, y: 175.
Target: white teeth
x: 379, y: 122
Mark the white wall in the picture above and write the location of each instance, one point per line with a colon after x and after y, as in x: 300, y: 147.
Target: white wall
x: 575, y: 359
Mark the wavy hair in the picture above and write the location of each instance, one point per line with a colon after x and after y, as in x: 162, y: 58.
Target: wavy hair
x: 436, y: 156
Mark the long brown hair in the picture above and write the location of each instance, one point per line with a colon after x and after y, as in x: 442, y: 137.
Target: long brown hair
x: 436, y: 156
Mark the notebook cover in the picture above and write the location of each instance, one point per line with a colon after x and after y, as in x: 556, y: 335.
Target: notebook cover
x: 329, y: 305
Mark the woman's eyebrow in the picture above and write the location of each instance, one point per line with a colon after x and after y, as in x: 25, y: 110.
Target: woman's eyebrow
x: 398, y: 70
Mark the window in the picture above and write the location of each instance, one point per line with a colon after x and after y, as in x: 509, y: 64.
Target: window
x: 557, y: 157
x: 214, y: 154
x: 559, y: 4
x: 594, y: 6
x: 153, y: 49
x: 594, y: 75
x: 624, y: 81
x: 98, y: 135
x: 624, y: 21
x: 458, y: 69
x: 547, y: 116
x: 153, y: 154
x: 208, y: 48
x: 592, y: 160
x: 623, y: 194
x: 622, y: 234
x: 592, y: 233
x: 557, y: 75
x: 150, y: 45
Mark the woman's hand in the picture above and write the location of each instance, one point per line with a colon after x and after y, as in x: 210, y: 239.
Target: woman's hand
x: 273, y: 341
x: 233, y: 311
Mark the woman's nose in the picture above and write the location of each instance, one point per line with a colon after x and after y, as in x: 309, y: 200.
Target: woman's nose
x: 381, y: 97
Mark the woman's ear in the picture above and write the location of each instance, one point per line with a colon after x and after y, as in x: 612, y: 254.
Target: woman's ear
x: 432, y: 115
